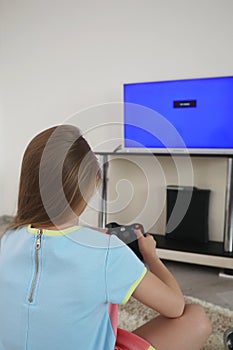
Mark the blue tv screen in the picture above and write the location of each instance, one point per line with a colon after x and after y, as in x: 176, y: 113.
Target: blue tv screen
x: 193, y: 115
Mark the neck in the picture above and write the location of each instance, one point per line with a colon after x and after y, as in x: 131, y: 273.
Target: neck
x: 58, y: 227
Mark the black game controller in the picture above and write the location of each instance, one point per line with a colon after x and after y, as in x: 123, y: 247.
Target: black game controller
x: 127, y: 235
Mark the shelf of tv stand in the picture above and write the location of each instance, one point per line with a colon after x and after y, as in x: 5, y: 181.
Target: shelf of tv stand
x: 209, y: 254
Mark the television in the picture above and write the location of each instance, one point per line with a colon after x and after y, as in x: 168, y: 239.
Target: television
x: 179, y: 116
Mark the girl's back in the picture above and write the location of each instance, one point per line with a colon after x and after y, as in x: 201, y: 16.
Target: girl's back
x: 56, y: 295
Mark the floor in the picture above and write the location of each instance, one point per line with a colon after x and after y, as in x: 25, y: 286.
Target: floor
x: 198, y: 281
x: 203, y: 283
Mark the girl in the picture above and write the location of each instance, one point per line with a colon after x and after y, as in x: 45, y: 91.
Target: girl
x: 61, y: 283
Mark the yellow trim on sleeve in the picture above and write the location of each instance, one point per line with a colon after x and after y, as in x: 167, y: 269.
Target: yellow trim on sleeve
x: 133, y: 287
x: 151, y: 348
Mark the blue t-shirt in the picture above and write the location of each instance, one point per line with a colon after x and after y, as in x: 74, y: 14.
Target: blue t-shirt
x: 57, y: 294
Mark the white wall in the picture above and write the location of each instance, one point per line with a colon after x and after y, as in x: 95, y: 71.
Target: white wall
x: 62, y: 56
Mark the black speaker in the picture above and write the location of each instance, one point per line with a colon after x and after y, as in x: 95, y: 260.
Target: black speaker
x: 193, y: 226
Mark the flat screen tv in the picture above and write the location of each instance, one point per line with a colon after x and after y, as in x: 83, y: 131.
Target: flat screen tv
x: 178, y: 116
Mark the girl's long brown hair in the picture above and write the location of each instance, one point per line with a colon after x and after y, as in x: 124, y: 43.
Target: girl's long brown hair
x: 59, y: 174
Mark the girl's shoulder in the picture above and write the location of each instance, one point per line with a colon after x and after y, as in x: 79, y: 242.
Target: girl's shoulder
x: 90, y: 236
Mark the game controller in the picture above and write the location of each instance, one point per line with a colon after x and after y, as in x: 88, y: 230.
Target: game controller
x: 127, y: 235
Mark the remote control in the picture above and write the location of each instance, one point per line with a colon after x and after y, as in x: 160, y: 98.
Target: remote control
x: 127, y: 235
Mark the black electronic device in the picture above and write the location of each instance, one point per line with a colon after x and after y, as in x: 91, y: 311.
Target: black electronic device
x: 127, y: 235
x: 194, y: 224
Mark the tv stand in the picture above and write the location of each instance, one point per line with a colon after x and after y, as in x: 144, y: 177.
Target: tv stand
x: 216, y: 254
x: 209, y: 254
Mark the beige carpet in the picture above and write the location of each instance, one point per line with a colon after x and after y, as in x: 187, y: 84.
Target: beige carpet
x: 134, y: 314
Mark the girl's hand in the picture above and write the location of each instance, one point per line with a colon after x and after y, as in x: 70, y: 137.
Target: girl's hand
x: 146, y: 244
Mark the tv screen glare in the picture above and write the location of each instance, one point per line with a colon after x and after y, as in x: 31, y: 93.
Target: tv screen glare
x: 189, y: 115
